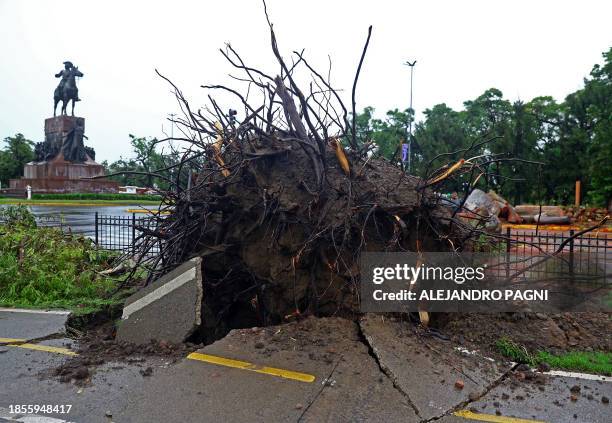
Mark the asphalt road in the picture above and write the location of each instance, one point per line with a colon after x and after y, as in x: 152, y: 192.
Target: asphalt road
x: 79, y: 218
x: 323, y: 373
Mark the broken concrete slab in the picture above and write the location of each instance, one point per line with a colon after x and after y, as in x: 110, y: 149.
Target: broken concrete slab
x: 434, y: 376
x: 169, y: 309
x: 357, y: 390
x: 31, y: 324
x: 348, y: 385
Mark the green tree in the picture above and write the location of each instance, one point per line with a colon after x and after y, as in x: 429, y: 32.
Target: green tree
x: 599, y: 110
x: 147, y: 158
x: 16, y: 153
x: 442, y: 131
x: 572, y: 139
x: 385, y: 134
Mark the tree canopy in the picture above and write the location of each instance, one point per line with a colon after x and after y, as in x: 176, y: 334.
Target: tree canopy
x: 572, y: 140
x: 17, y: 151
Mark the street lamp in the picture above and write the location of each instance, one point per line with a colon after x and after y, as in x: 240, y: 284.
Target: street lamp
x: 412, y: 111
x: 172, y: 115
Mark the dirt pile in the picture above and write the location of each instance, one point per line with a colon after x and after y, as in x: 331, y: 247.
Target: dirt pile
x: 536, y: 331
x: 273, y: 249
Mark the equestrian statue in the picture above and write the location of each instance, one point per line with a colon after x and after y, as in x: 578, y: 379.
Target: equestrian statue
x: 67, y: 89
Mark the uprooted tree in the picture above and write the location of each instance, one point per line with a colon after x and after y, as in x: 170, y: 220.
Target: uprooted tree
x: 281, y: 202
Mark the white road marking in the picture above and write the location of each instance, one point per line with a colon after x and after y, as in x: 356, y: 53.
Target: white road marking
x: 160, y: 292
x: 25, y: 310
x: 576, y: 375
x: 29, y: 418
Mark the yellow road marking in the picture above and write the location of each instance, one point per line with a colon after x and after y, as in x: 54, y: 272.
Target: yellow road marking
x: 244, y: 365
x: 46, y: 348
x: 12, y: 342
x: 466, y: 414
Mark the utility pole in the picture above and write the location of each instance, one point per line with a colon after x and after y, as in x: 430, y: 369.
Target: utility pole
x: 412, y: 117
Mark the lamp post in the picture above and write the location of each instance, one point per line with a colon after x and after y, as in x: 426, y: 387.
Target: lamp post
x: 172, y: 115
x: 412, y: 117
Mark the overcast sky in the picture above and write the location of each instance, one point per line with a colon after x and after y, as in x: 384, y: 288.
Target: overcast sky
x: 525, y: 48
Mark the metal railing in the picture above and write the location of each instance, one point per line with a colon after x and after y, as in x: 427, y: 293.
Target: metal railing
x: 122, y: 233
x: 587, y: 256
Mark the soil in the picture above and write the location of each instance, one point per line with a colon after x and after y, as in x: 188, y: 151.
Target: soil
x: 316, y: 337
x: 320, y: 339
x: 98, y: 346
x: 536, y: 331
x: 273, y: 248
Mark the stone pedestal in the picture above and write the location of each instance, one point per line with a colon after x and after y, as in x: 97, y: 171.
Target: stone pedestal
x: 56, y: 128
x: 63, y: 162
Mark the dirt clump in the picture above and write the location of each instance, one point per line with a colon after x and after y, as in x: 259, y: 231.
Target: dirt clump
x: 98, y: 347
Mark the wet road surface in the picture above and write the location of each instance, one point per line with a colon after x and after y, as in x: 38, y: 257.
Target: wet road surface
x: 365, y: 371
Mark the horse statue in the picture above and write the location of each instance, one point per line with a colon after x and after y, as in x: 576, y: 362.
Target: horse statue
x: 67, y: 89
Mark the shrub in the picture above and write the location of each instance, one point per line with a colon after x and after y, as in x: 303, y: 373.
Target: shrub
x: 17, y: 216
x: 44, y: 267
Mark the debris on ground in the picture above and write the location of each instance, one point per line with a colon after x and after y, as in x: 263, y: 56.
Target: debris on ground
x: 146, y: 372
x: 408, y: 356
x: 526, y: 210
x: 585, y: 215
x: 545, y: 219
x: 98, y: 346
x: 479, y: 204
x: 556, y: 333
x: 267, y: 228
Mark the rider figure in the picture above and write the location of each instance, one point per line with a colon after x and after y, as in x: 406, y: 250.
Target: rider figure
x: 65, y: 74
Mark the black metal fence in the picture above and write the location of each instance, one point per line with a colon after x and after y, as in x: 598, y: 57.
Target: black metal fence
x: 587, y: 256
x: 122, y: 233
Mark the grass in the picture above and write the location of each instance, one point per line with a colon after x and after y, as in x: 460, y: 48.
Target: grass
x: 85, y: 199
x: 484, y: 244
x: 45, y: 268
x: 591, y: 362
x: 514, y: 351
x: 597, y: 362
x: 58, y: 202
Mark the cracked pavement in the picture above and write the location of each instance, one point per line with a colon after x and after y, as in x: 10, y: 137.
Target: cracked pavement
x: 372, y: 370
